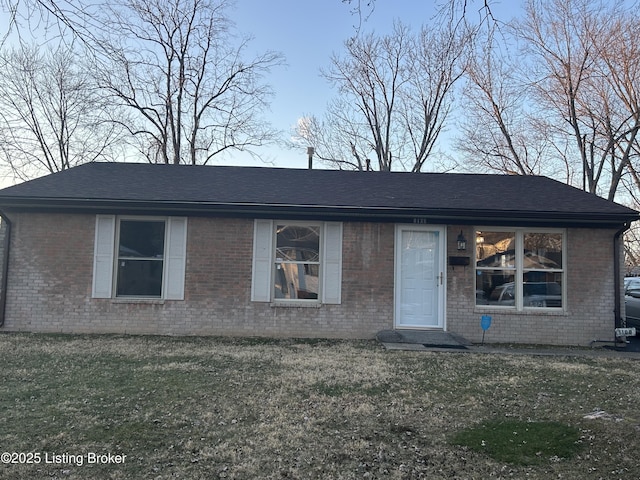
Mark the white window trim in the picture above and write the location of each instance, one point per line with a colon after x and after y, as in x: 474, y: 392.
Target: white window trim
x: 116, y: 254
x: 330, y: 265
x: 519, y: 268
x: 320, y: 261
x: 107, y: 236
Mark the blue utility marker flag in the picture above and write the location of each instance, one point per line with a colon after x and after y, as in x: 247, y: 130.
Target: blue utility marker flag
x: 485, y: 323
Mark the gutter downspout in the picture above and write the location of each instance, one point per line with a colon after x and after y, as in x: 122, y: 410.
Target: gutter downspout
x: 616, y: 274
x: 5, y: 267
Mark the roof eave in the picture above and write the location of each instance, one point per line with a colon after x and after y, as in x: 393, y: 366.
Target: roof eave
x: 356, y: 213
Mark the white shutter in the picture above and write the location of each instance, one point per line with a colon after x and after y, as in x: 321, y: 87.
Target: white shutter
x: 175, y: 258
x: 262, y: 261
x: 332, y: 263
x: 103, y: 251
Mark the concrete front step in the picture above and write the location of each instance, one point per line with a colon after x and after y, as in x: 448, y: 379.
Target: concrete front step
x: 428, y: 338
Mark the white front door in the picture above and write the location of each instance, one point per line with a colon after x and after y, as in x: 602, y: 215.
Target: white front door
x: 420, y: 282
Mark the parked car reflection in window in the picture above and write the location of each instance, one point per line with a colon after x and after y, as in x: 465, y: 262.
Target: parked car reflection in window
x: 534, y: 294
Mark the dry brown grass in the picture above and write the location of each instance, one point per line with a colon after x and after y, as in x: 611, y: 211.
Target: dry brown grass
x: 231, y: 408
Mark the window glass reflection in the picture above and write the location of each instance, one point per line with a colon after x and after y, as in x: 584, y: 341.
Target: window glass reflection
x: 542, y: 250
x: 297, y: 263
x: 495, y: 249
x: 141, y: 239
x: 298, y: 243
x: 495, y: 287
x: 140, y: 258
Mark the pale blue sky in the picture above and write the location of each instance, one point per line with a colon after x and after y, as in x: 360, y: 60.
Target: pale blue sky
x: 307, y: 32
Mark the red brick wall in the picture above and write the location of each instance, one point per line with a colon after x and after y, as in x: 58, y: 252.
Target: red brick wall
x: 51, y: 266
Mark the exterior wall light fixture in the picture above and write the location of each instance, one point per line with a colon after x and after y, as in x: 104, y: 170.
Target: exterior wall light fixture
x: 462, y: 242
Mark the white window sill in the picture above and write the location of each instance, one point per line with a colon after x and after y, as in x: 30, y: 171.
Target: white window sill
x: 482, y: 309
x: 146, y: 301
x: 294, y: 304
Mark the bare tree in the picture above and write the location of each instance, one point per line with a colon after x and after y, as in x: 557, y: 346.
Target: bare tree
x: 436, y: 63
x: 363, y: 8
x: 174, y: 65
x: 567, y: 105
x: 500, y: 130
x: 51, y: 116
x: 370, y: 79
x: 329, y: 137
x: 60, y: 19
x: 395, y: 94
x: 584, y: 78
x: 77, y: 15
x: 616, y: 85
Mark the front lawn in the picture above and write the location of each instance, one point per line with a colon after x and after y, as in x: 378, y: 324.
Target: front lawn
x: 117, y: 407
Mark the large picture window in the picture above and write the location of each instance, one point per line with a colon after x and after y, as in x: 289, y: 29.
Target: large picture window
x: 520, y: 268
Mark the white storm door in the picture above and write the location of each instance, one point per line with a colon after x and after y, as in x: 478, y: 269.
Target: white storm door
x: 420, y: 283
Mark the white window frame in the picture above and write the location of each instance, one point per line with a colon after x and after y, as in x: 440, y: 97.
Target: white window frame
x: 519, y: 270
x: 281, y: 262
x: 106, y: 255
x: 264, y: 261
x: 118, y: 258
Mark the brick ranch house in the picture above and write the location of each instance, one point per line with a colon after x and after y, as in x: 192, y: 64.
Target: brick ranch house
x: 184, y: 250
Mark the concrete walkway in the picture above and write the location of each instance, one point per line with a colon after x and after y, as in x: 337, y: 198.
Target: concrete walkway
x: 439, y: 341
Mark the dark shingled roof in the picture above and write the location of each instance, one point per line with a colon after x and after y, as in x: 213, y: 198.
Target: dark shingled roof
x: 207, y: 190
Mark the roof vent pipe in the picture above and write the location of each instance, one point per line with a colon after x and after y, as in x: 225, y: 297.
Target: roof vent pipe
x: 310, y: 152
